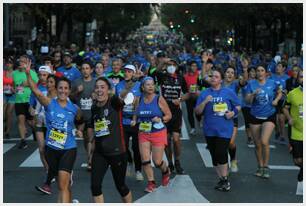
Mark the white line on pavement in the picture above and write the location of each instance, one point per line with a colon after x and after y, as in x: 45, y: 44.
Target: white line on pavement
x: 283, y: 167
x: 7, y: 147
x: 33, y: 160
x: 299, y: 188
x: 205, y: 155
x: 271, y: 146
x: 185, y: 135
x: 180, y: 189
x: 241, y: 128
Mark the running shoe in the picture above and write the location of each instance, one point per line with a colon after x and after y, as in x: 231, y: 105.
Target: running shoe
x: 282, y: 141
x: 192, y: 131
x: 250, y: 142
x: 259, y: 172
x: 224, y: 185
x: 139, y: 176
x: 22, y: 144
x: 75, y: 201
x: 266, y: 173
x: 166, y: 178
x: 150, y: 187
x: 88, y: 167
x: 46, y: 189
x: 219, y: 184
x: 178, y: 168
x: 234, y: 166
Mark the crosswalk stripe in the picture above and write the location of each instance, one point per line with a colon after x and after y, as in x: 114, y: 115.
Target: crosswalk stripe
x: 283, y: 167
x: 205, y: 155
x: 299, y: 188
x: 7, y: 147
x: 185, y: 135
x: 180, y: 189
x: 33, y: 160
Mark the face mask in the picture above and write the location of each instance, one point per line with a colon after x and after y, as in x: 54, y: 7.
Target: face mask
x: 171, y: 69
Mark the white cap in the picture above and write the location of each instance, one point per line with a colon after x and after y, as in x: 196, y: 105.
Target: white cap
x: 45, y: 69
x: 130, y: 67
x: 277, y: 59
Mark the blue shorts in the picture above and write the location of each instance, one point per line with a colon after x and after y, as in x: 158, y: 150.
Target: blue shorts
x: 9, y: 98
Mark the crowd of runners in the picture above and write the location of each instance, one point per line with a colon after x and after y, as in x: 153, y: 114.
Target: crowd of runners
x: 125, y: 101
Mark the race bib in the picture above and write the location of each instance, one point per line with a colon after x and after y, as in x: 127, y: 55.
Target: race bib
x: 220, y: 108
x: 59, y: 137
x: 86, y: 104
x: 128, y: 108
x: 19, y: 89
x: 145, y: 126
x: 7, y: 89
x: 193, y: 88
x: 301, y: 111
x: 101, y: 128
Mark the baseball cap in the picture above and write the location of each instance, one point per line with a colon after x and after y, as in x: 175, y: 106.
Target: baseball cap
x: 67, y: 54
x: 130, y: 67
x: 45, y: 69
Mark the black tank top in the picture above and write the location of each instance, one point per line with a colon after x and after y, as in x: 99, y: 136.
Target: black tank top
x: 108, y: 129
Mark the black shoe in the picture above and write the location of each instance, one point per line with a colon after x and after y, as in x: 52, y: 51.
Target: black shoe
x: 171, y: 167
x: 178, y: 168
x: 224, y: 185
x: 22, y: 144
x: 300, y: 175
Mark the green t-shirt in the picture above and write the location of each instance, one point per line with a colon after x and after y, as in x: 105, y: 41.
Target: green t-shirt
x: 295, y: 100
x: 23, y: 93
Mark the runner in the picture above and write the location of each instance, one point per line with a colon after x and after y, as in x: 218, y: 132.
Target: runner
x: 22, y: 99
x: 69, y: 71
x: 82, y: 90
x: 109, y: 142
x: 263, y: 94
x: 116, y: 75
x: 246, y: 107
x: 280, y: 79
x: 99, y: 70
x: 152, y: 113
x: 294, y: 102
x: 191, y: 79
x: 172, y: 85
x: 234, y: 85
x: 9, y: 96
x: 128, y: 88
x: 61, y: 147
x: 219, y: 106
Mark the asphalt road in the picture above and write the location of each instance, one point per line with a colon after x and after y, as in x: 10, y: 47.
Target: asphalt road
x: 22, y: 171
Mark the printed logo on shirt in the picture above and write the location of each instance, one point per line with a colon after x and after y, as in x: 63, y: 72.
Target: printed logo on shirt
x: 86, y: 103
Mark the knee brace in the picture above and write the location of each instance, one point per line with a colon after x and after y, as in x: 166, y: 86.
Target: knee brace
x: 146, y: 163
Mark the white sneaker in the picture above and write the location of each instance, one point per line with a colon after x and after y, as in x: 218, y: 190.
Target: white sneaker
x: 192, y: 131
x: 139, y: 176
x: 234, y: 166
x: 75, y: 201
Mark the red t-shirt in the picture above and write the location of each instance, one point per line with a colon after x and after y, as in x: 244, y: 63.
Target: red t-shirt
x: 191, y: 79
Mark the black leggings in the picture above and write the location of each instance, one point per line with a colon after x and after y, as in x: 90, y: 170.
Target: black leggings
x: 132, y: 132
x: 190, y: 104
x: 100, y: 163
x: 218, y: 148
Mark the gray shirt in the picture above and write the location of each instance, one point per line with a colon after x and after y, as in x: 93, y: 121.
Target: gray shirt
x: 83, y: 99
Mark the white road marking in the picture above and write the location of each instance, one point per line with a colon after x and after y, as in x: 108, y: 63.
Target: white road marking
x: 7, y: 147
x: 241, y: 128
x: 271, y: 146
x: 283, y: 167
x: 205, y: 155
x: 180, y: 190
x: 299, y: 188
x: 185, y: 135
x: 33, y: 160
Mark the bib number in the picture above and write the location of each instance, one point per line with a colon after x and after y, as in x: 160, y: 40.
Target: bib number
x: 101, y: 128
x: 7, y: 89
x: 20, y: 90
x: 145, y: 126
x: 59, y: 137
x: 220, y: 109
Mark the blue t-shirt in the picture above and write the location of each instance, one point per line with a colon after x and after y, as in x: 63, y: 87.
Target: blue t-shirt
x: 128, y: 110
x: 280, y: 80
x: 146, y: 112
x: 215, y: 123
x: 72, y: 73
x: 244, y: 91
x: 262, y: 107
x: 234, y: 86
x: 33, y: 100
x: 60, y: 124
